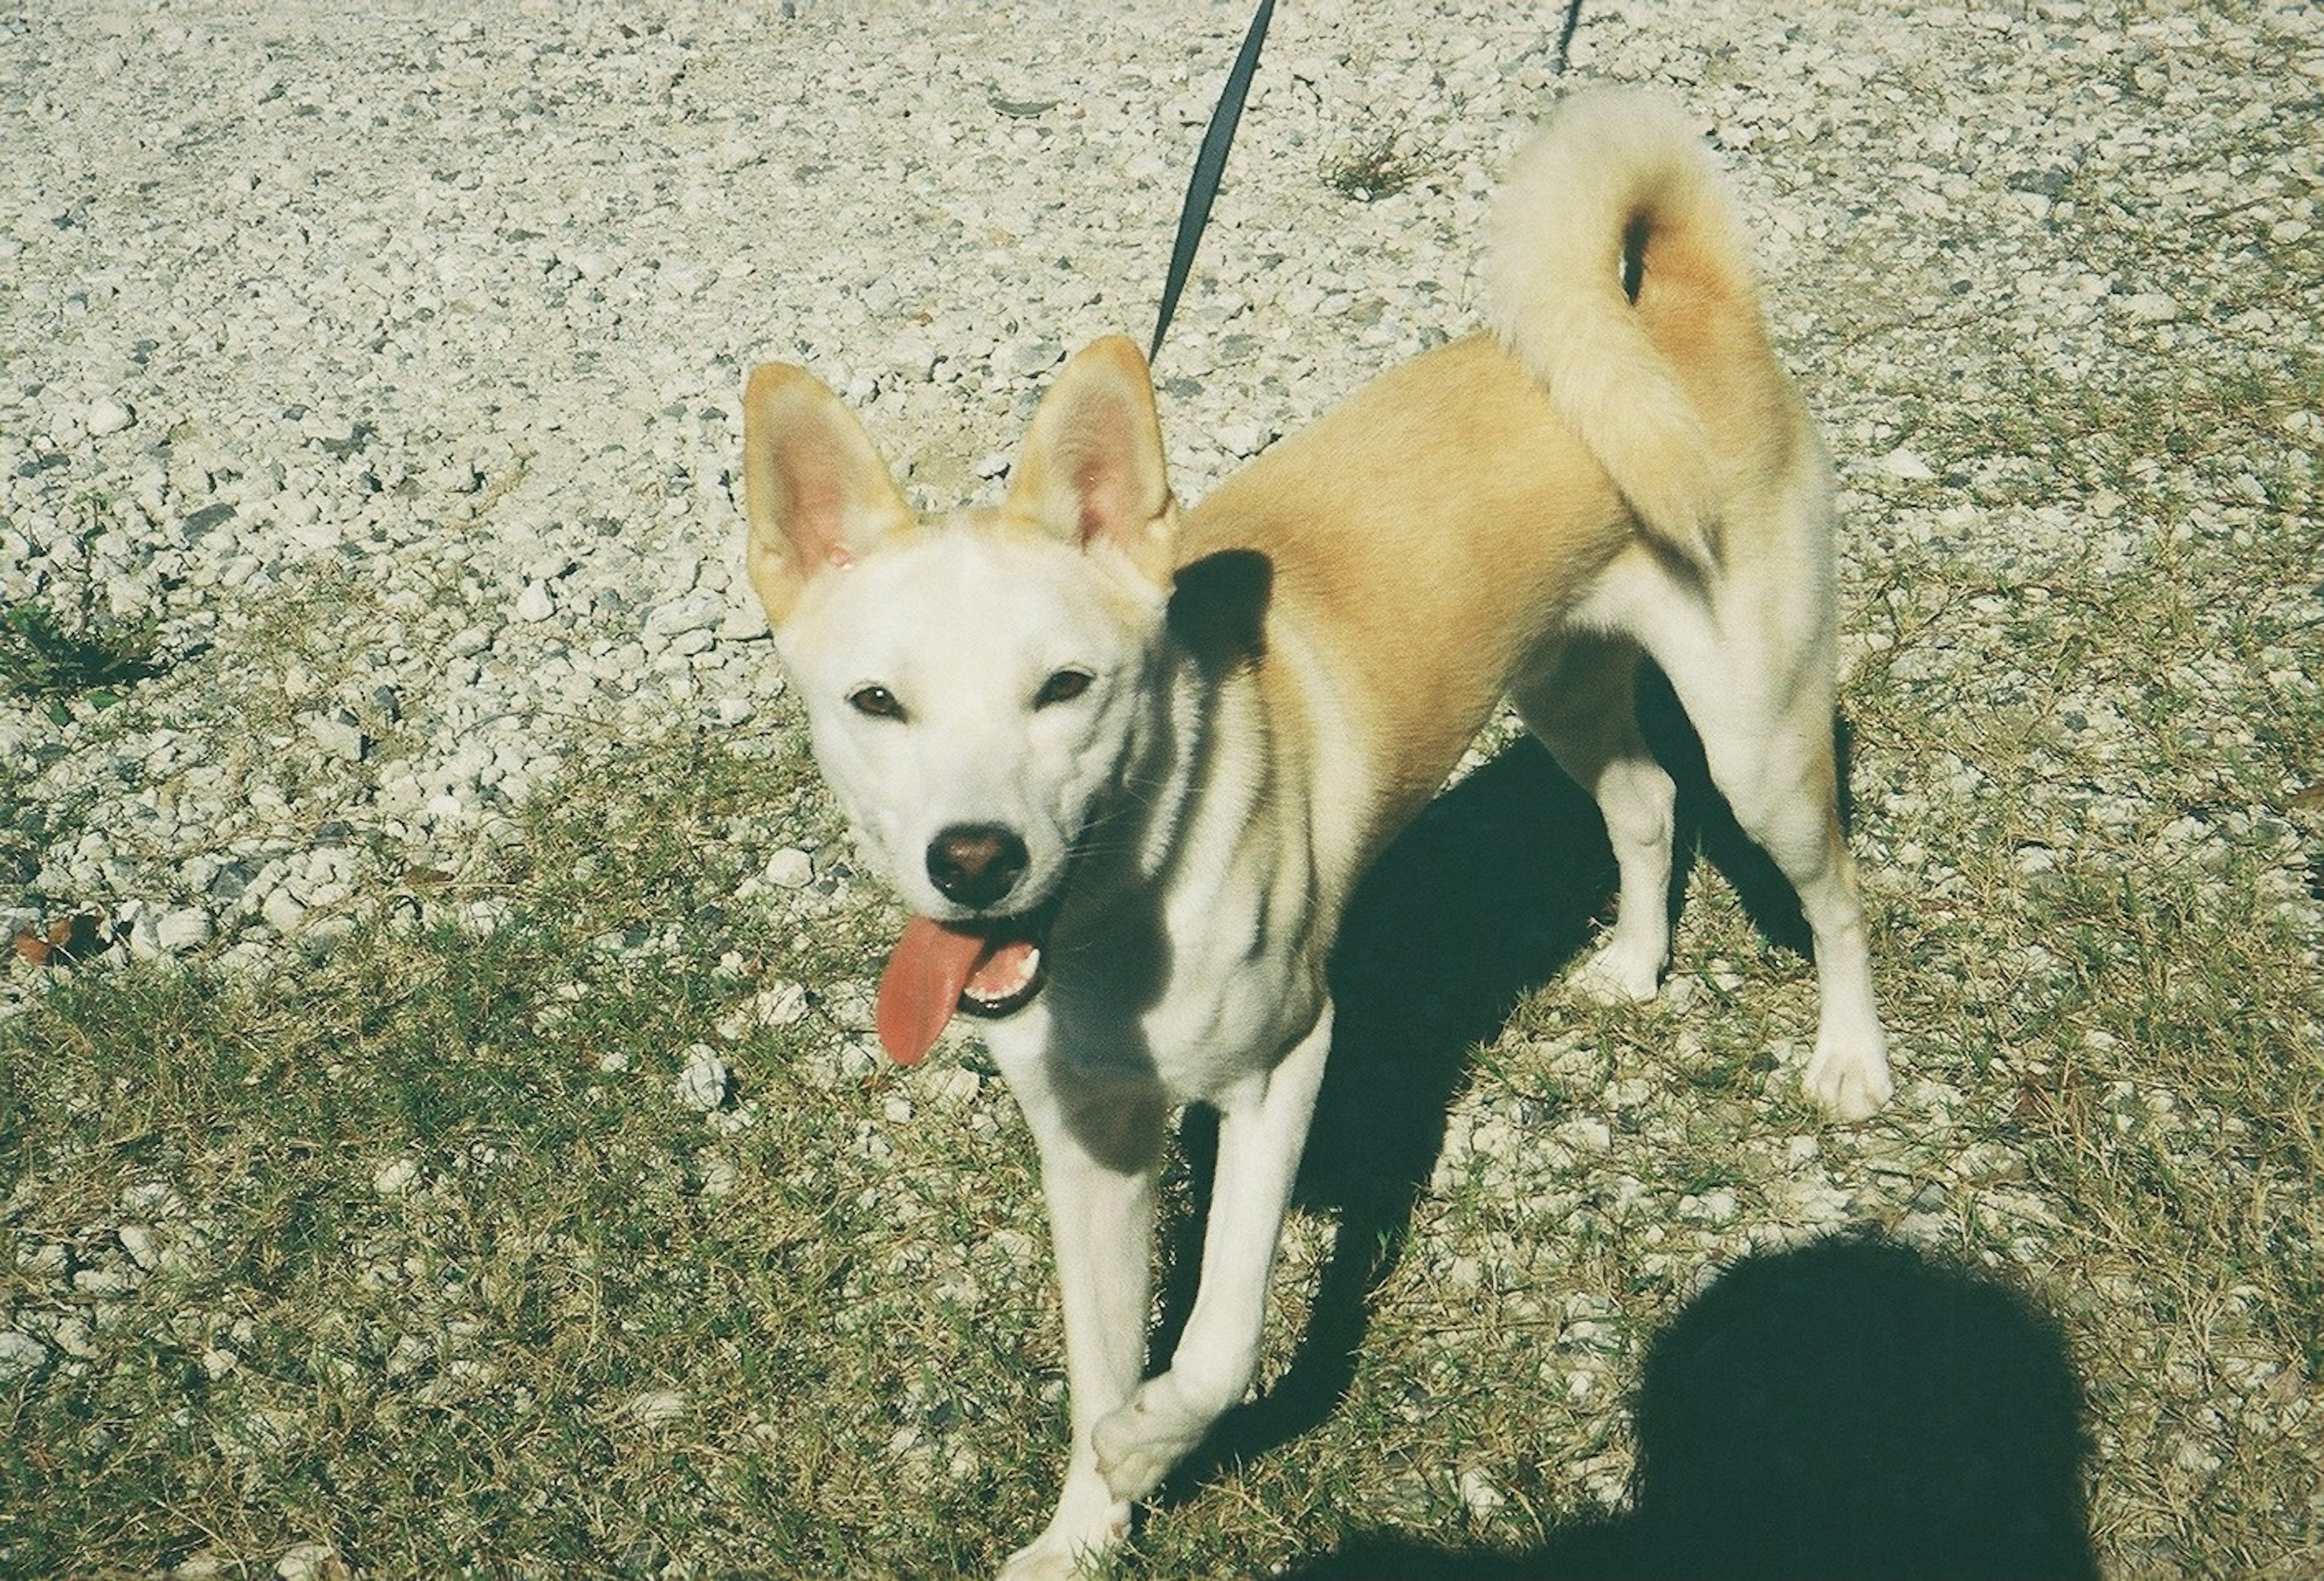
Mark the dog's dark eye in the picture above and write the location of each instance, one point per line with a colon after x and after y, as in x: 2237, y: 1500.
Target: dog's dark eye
x: 1061, y: 687
x: 877, y: 701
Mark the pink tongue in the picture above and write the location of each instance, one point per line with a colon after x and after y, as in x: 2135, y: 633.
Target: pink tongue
x: 921, y: 987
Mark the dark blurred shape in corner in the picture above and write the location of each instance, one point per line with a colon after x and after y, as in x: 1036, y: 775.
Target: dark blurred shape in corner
x: 1853, y: 1410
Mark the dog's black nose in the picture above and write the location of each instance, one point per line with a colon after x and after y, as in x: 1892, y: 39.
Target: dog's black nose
x: 976, y: 864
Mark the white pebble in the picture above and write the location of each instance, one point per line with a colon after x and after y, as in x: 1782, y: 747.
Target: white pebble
x: 706, y: 1081
x: 339, y: 735
x: 950, y: 1085
x: 1478, y: 1493
x: 20, y: 1354
x: 282, y: 911
x: 485, y: 917
x: 309, y: 1561
x: 395, y: 1177
x: 1901, y: 463
x: 102, y: 1284
x: 139, y: 1241
x: 657, y: 1408
x: 779, y: 1004
x: 1586, y: 1134
x: 791, y: 868
x: 184, y: 929
x: 718, y: 1174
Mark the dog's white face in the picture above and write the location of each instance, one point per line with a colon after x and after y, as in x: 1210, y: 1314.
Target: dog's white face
x: 974, y: 678
x: 974, y: 684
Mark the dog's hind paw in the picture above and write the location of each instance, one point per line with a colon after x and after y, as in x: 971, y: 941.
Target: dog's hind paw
x: 1851, y: 1078
x: 1619, y: 974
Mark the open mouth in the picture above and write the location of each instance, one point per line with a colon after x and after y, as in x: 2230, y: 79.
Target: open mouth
x: 1007, y: 976
x: 982, y: 967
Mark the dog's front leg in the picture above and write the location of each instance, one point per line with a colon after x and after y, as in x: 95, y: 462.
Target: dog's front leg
x: 1101, y: 1163
x: 1263, y: 1131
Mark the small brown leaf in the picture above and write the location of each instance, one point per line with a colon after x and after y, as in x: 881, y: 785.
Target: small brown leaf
x: 65, y: 940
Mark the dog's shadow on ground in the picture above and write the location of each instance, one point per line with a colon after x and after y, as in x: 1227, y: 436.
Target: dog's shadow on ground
x: 1845, y: 1410
x: 1491, y: 892
x: 1849, y: 1409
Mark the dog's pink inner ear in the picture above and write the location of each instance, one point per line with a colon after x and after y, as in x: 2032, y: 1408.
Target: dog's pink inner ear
x: 1113, y: 489
x: 818, y: 494
x: 819, y: 501
x: 1092, y: 469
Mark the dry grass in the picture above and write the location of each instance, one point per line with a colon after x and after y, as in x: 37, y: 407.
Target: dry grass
x: 595, y: 1334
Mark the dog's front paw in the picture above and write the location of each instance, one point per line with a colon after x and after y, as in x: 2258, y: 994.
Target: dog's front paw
x: 1071, y: 1549
x: 1138, y: 1442
x: 1044, y: 1560
x: 1849, y: 1076
x: 1622, y: 973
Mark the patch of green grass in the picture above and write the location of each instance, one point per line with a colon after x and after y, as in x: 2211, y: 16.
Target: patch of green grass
x: 446, y: 1378
x: 48, y: 655
x: 2093, y: 770
x: 1379, y: 165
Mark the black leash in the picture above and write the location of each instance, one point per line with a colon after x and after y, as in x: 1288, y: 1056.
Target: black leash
x: 1565, y: 36
x: 1209, y: 165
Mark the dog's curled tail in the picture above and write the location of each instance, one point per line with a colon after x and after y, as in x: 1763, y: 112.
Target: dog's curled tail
x: 1612, y: 233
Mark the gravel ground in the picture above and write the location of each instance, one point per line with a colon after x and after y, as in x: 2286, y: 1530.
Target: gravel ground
x: 383, y: 370
x: 389, y: 370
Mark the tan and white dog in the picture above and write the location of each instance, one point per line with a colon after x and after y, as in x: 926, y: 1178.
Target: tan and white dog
x: 1125, y: 765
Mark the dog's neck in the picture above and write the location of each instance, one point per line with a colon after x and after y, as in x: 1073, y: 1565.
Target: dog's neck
x: 1210, y: 769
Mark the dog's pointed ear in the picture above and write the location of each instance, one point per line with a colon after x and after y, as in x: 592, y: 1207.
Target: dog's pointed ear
x: 1091, y: 469
x: 818, y: 495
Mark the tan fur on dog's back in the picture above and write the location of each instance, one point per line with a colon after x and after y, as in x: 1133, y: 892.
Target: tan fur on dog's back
x: 1422, y: 579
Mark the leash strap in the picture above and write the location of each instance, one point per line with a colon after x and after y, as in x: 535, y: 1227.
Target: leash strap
x: 1209, y: 165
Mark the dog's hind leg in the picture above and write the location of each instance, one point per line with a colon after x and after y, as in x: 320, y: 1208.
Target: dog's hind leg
x: 1580, y: 701
x: 1101, y: 1168
x: 1262, y: 1130
x: 1754, y: 668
